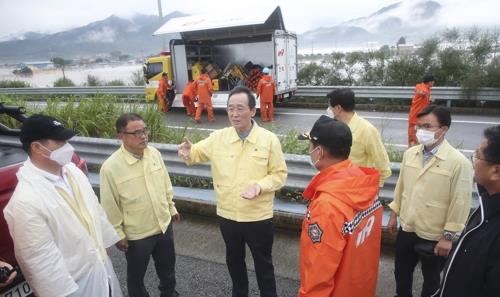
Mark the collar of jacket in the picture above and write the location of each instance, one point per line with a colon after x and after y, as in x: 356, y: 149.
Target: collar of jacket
x: 50, y: 176
x: 34, y: 175
x: 442, y: 152
x: 425, y: 86
x: 354, y: 122
x: 323, y: 175
x: 252, y: 137
x: 129, y: 157
x: 491, y: 203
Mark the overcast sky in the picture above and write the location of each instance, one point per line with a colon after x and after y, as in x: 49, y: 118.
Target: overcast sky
x: 50, y: 16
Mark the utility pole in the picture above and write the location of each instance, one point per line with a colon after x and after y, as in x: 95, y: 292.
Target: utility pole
x: 160, y: 14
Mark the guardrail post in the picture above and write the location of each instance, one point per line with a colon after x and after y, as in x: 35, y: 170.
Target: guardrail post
x: 448, y: 103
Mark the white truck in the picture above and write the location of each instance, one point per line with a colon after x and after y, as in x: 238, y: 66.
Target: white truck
x: 226, y: 41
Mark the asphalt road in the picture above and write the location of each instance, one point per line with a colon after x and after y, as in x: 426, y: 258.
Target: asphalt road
x: 465, y: 132
x: 201, y: 269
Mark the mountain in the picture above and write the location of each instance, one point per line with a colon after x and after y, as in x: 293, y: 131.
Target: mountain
x: 415, y: 20
x: 22, y: 36
x: 129, y: 36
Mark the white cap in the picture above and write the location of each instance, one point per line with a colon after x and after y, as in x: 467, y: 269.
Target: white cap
x: 266, y: 70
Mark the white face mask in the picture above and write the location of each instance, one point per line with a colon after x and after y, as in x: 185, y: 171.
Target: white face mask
x: 329, y: 112
x: 313, y: 163
x: 426, y: 137
x: 62, y: 155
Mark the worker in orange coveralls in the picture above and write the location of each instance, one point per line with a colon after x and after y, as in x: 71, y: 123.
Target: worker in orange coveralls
x: 341, y: 231
x: 265, y: 91
x: 161, y: 92
x: 203, y: 89
x: 421, y: 99
x: 188, y: 95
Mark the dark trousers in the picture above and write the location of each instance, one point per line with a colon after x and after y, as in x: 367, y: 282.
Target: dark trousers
x: 259, y: 238
x: 406, y: 260
x: 161, y: 247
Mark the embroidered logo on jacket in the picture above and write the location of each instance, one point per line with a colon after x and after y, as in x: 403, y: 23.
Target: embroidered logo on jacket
x: 315, y: 232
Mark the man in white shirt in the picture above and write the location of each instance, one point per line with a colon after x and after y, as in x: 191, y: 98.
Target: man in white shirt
x: 60, y: 231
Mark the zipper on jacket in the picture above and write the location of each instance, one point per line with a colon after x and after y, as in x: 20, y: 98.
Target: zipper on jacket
x: 461, y: 241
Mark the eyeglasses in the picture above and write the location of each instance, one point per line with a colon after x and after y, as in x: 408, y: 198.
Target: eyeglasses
x: 426, y: 127
x: 139, y: 133
x: 474, y: 157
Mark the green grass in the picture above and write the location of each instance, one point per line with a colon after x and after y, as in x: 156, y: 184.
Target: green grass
x: 64, y: 82
x: 13, y: 84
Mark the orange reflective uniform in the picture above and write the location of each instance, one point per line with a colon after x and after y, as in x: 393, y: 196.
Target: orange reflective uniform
x: 341, y: 233
x: 188, y: 95
x: 161, y: 93
x: 203, y: 89
x: 421, y: 99
x: 265, y: 91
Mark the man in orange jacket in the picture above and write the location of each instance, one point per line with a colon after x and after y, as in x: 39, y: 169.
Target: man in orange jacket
x: 265, y: 91
x: 203, y: 89
x: 161, y: 92
x: 341, y: 231
x: 421, y: 99
x: 188, y: 95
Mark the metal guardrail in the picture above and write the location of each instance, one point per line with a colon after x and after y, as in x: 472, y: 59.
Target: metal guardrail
x: 121, y: 90
x: 439, y: 93
x: 97, y: 150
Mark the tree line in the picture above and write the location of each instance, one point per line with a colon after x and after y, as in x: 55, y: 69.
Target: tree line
x: 456, y: 58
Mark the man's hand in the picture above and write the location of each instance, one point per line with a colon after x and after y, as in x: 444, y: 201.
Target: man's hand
x: 11, y: 276
x: 122, y: 245
x: 443, y: 247
x: 392, y: 225
x: 184, y: 149
x: 251, y: 192
x: 176, y: 217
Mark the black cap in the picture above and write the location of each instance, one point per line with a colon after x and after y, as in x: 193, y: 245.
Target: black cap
x: 329, y: 132
x: 40, y: 126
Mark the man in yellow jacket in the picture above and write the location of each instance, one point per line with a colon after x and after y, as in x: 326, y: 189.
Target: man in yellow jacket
x: 432, y: 200
x: 247, y: 168
x: 136, y: 194
x: 367, y: 146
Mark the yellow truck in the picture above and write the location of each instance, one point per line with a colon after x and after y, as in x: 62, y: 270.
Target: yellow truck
x: 228, y: 47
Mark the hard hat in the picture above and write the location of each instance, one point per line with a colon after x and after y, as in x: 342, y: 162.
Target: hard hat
x: 266, y: 70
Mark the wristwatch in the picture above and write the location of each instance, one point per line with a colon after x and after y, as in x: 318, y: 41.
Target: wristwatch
x: 448, y: 235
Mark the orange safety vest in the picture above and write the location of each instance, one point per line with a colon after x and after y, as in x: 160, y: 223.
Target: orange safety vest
x: 265, y: 88
x: 341, y: 233
x: 203, y: 88
x: 421, y: 99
